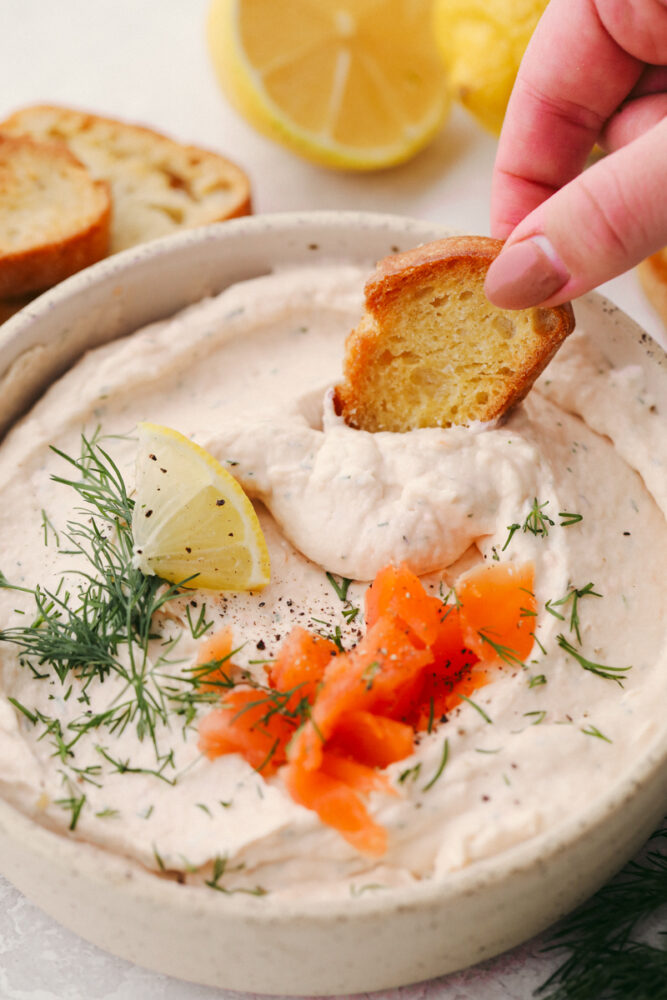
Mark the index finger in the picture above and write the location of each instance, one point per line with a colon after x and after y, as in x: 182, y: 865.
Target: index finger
x: 573, y: 76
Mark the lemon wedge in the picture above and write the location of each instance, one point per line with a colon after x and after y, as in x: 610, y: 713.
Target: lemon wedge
x: 482, y: 43
x: 355, y: 84
x: 192, y: 517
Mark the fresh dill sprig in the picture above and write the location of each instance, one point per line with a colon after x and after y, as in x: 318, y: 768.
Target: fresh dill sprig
x: 573, y: 595
x: 220, y: 869
x: 411, y: 774
x: 478, y: 708
x: 505, y: 653
x: 441, y: 766
x: 617, y: 674
x: 102, y: 625
x: 538, y: 522
x: 72, y: 804
x: 607, y: 956
x: 124, y: 766
x: 341, y: 588
x: 592, y: 730
x: 200, y: 626
x: 336, y: 636
x: 350, y: 611
x: 568, y: 518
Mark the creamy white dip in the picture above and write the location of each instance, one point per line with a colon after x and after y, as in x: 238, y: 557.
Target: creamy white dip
x: 247, y: 375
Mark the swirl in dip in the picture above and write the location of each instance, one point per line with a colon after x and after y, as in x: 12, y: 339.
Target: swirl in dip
x: 247, y: 376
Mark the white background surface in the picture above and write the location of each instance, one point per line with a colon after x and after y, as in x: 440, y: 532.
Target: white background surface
x: 146, y: 61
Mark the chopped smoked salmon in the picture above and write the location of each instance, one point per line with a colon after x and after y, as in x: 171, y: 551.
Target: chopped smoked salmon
x: 333, y: 720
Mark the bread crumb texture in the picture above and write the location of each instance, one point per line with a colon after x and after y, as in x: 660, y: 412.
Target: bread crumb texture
x: 157, y: 185
x: 432, y: 351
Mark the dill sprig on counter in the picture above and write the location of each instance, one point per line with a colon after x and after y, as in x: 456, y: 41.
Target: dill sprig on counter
x: 609, y: 957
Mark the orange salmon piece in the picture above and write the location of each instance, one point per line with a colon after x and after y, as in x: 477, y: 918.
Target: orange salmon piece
x: 338, y: 806
x: 360, y: 777
x: 397, y: 591
x: 301, y: 662
x: 373, y: 740
x: 242, y: 725
x: 474, y: 679
x: 218, y: 646
x: 358, y: 680
x: 498, y: 604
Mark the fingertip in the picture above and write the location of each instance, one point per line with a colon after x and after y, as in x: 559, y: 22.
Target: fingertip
x: 525, y: 274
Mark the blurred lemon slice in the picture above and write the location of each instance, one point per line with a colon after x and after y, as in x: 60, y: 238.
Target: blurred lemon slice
x: 482, y: 43
x: 355, y: 84
x: 192, y: 517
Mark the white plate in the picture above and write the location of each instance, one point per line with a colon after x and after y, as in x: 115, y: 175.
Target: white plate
x: 263, y: 945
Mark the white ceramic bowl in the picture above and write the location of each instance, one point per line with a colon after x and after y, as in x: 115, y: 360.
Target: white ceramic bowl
x: 262, y: 945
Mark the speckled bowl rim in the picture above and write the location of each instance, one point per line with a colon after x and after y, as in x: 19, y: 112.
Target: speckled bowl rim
x: 650, y: 770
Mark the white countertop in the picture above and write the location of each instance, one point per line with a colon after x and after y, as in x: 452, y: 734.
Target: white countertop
x: 146, y: 61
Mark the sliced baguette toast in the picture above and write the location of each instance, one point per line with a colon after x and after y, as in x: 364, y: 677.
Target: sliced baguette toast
x: 653, y: 277
x: 432, y: 351
x: 157, y: 185
x: 54, y: 218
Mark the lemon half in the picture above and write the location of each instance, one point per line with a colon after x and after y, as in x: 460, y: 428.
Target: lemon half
x: 482, y: 43
x: 192, y: 517
x: 356, y: 84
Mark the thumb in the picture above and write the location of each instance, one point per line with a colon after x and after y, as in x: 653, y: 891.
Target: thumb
x: 600, y: 224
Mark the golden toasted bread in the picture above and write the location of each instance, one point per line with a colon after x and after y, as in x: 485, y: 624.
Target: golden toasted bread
x: 653, y: 277
x: 157, y: 185
x: 54, y: 218
x: 432, y: 351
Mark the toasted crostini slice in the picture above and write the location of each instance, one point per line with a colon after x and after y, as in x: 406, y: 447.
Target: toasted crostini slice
x: 432, y: 351
x: 54, y: 217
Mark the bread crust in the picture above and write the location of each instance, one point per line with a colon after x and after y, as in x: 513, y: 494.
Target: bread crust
x: 9, y: 307
x: 653, y: 278
x: 158, y: 185
x: 32, y: 175
x: 411, y: 335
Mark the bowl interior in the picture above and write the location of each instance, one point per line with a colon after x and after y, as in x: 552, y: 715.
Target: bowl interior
x: 112, y: 299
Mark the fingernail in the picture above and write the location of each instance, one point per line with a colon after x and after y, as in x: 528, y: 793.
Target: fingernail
x: 525, y: 274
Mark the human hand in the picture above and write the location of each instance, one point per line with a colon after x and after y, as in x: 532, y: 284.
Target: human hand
x: 595, y: 72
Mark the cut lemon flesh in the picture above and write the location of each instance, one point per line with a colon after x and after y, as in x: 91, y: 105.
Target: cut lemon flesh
x: 192, y: 521
x: 482, y: 43
x: 348, y: 83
